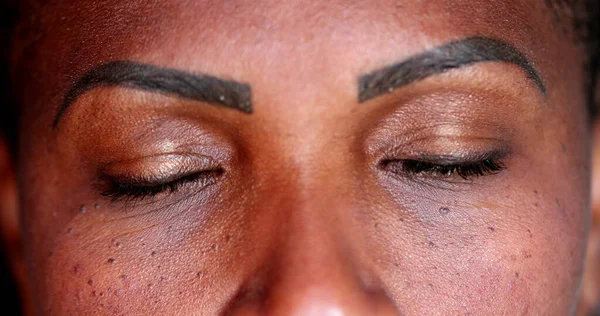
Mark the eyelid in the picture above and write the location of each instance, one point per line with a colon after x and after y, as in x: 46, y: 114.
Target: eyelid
x: 157, y: 169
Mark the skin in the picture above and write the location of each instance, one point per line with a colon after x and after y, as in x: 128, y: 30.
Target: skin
x: 303, y: 220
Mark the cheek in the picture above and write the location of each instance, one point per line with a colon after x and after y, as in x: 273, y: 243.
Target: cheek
x: 479, y: 260
x: 142, y: 265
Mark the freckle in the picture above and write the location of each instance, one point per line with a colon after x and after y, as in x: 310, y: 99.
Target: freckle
x: 149, y: 285
x: 535, y: 192
x: 563, y: 147
x: 491, y: 229
x: 123, y: 276
x: 83, y: 209
x: 376, y: 225
x: 430, y: 285
x: 536, y: 204
x: 517, y: 275
x: 90, y: 282
x: 153, y: 253
x: 109, y: 289
x: 557, y: 202
x: 401, y: 220
x: 530, y: 234
x: 180, y: 292
x: 111, y: 261
x: 444, y: 210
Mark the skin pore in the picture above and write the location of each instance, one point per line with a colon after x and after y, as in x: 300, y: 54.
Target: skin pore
x: 463, y: 190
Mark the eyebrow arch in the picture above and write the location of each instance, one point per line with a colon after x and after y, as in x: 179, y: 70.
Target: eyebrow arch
x: 441, y: 59
x: 146, y: 77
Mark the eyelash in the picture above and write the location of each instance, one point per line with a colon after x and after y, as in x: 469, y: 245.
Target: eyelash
x: 466, y: 170
x: 132, y: 191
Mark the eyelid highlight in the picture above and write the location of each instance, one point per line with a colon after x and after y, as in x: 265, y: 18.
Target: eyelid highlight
x: 158, y: 169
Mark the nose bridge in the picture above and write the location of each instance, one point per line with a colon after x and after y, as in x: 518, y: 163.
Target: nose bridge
x: 314, y: 267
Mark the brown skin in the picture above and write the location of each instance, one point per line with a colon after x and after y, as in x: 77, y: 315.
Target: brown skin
x: 304, y: 221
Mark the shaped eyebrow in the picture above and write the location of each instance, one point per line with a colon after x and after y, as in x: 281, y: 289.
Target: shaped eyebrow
x: 457, y: 54
x: 140, y: 76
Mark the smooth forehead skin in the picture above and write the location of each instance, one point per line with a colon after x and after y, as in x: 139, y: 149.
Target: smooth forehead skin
x: 303, y: 221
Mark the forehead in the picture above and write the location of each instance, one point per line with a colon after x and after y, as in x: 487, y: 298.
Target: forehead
x: 268, y: 35
x: 298, y: 50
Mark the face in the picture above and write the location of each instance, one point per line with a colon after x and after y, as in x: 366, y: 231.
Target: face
x: 304, y: 158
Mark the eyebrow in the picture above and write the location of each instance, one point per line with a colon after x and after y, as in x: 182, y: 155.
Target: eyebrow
x: 457, y: 54
x: 130, y: 74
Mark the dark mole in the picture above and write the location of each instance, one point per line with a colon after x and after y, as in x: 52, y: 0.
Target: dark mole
x: 153, y: 253
x: 111, y: 261
x: 90, y: 282
x: 491, y: 229
x: 444, y: 210
x: 517, y: 275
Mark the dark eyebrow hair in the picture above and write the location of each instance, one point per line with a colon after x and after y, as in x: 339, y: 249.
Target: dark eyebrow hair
x: 441, y: 59
x: 186, y: 85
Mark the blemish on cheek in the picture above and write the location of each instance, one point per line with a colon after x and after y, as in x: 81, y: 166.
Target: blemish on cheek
x: 530, y: 234
x: 111, y: 261
x: 444, y: 210
x: 153, y: 253
x: 227, y: 238
x: 76, y: 268
x: 517, y: 275
x: 90, y: 282
x: 431, y: 244
x: 96, y: 206
x: 123, y: 276
x: 491, y: 229
x: 199, y: 275
x: 69, y: 230
x: 215, y: 247
x: 563, y: 148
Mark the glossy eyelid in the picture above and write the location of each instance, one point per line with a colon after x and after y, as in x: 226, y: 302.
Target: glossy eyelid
x: 161, y: 168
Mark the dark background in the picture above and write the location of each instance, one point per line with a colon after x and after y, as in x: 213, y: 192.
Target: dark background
x: 8, y: 16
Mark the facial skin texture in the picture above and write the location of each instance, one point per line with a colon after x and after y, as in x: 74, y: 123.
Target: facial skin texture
x: 304, y: 209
